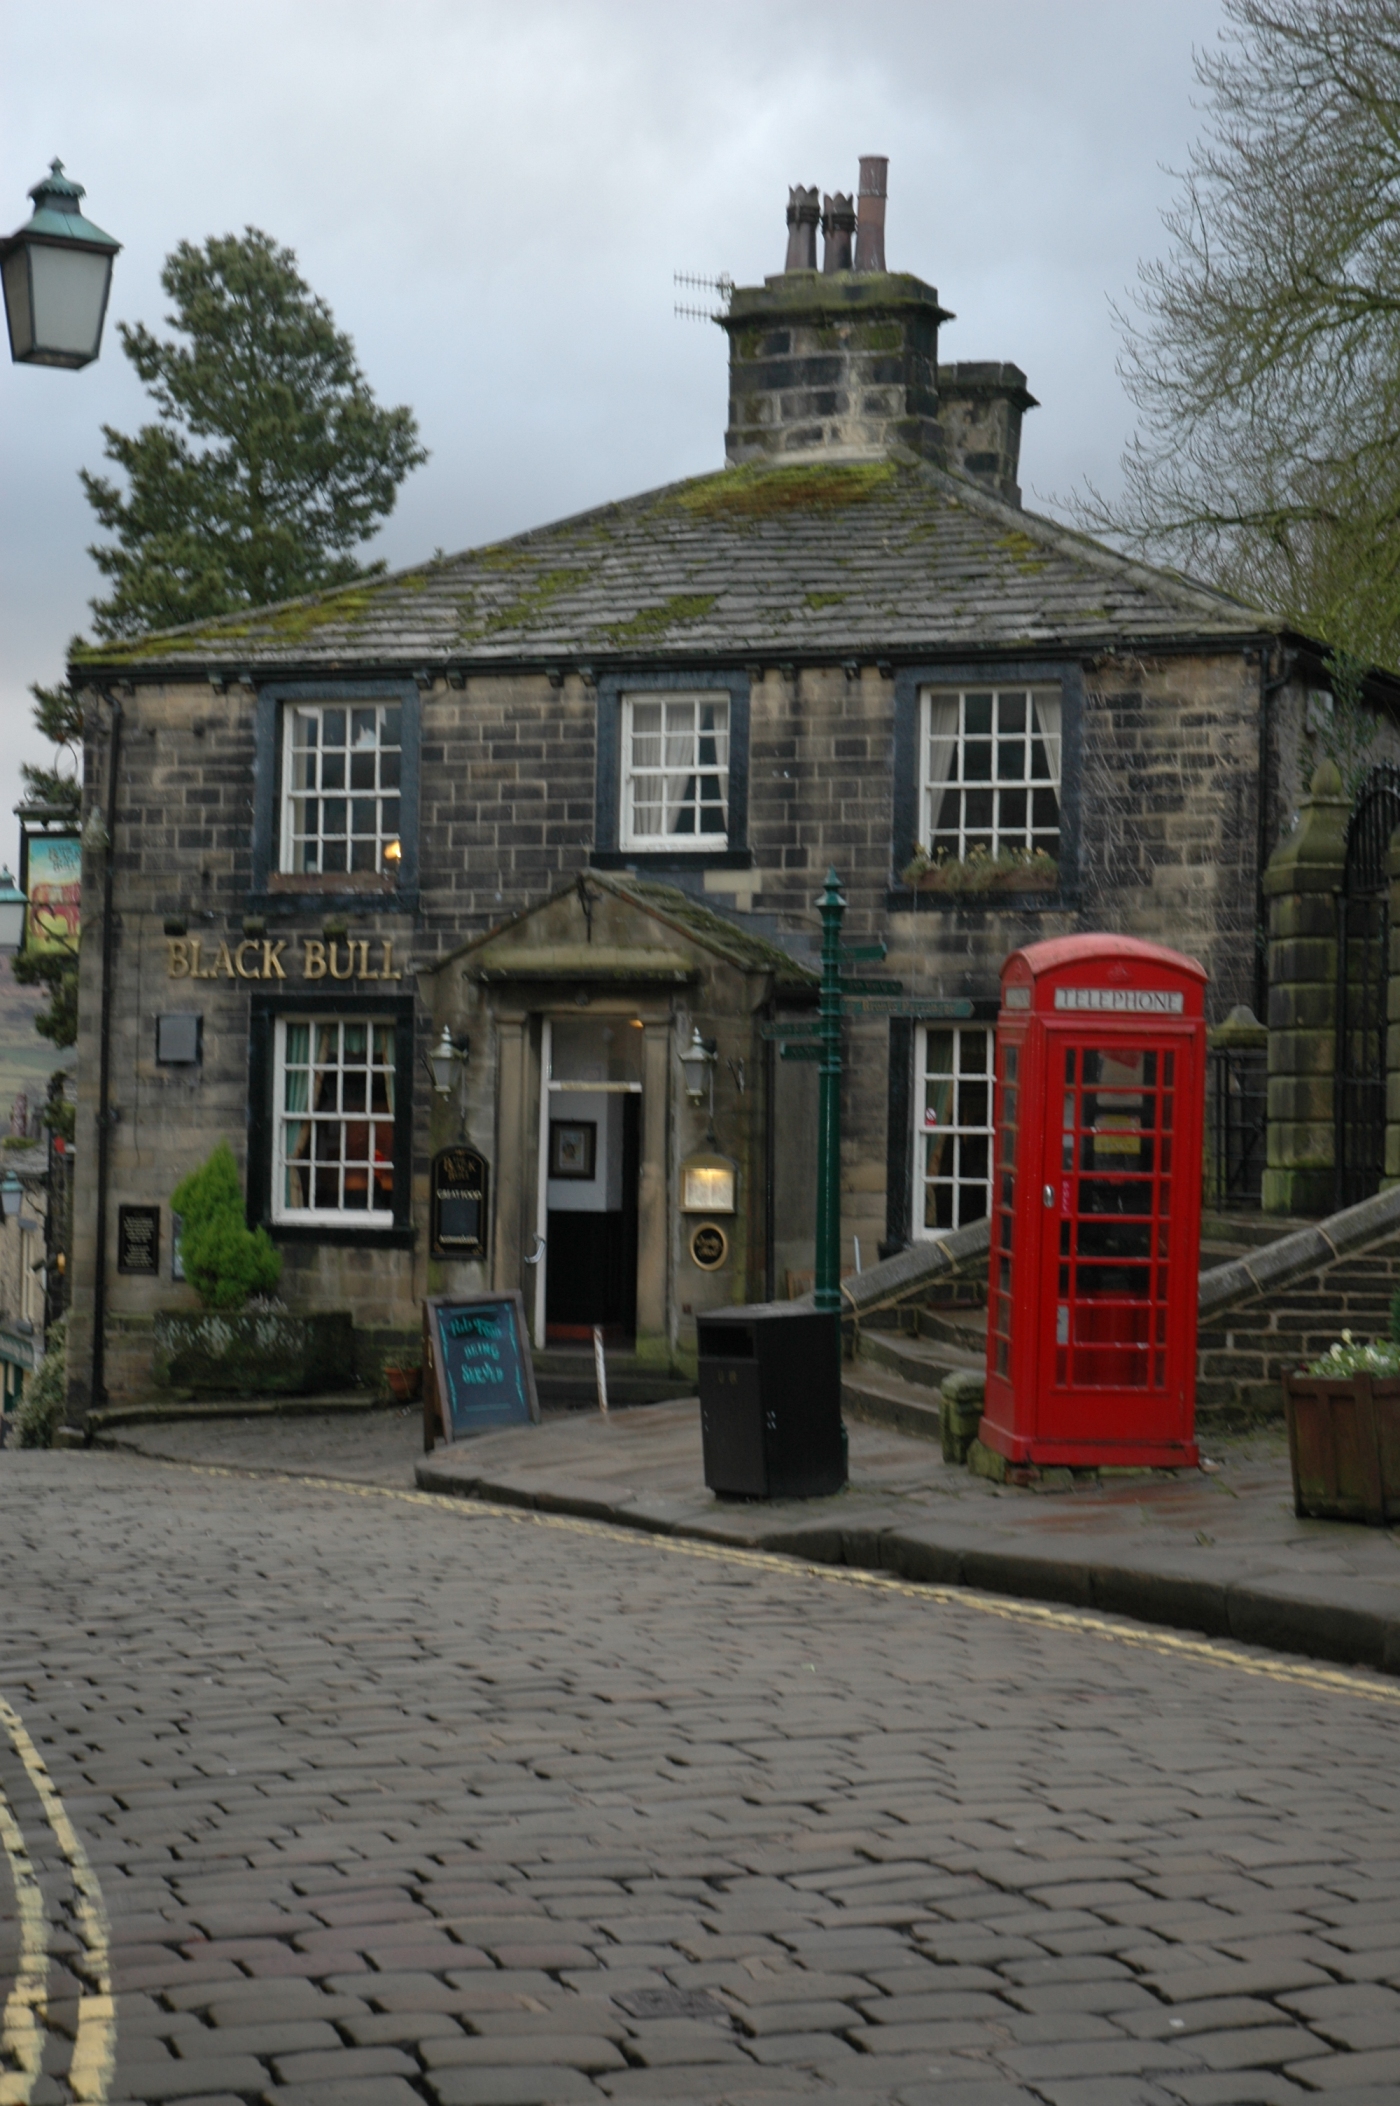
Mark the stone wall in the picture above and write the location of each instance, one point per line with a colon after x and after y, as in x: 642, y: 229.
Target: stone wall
x: 507, y: 815
x: 1285, y: 1305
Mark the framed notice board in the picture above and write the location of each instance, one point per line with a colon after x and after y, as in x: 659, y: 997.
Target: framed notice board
x: 138, y: 1239
x: 477, y: 1370
x: 459, y: 1204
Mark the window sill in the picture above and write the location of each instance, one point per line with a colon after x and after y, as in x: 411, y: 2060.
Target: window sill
x: 672, y: 859
x: 391, y: 901
x: 318, y: 882
x: 903, y: 899
x: 361, y: 1238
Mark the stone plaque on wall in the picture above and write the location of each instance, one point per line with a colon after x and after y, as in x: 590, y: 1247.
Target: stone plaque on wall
x: 138, y: 1239
x: 459, y: 1204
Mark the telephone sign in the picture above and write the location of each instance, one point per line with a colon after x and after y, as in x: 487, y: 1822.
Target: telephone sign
x: 1096, y: 1210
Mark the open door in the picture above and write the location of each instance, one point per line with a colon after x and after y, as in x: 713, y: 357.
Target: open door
x: 590, y: 1144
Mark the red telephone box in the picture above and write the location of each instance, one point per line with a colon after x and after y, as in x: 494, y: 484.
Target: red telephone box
x: 1096, y: 1205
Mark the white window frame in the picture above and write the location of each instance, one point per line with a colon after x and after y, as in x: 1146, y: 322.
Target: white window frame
x: 285, y: 1118
x: 629, y: 837
x: 296, y: 794
x: 943, y: 762
x: 955, y: 1125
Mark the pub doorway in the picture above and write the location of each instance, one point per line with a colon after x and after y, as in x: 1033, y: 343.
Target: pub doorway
x: 590, y: 1147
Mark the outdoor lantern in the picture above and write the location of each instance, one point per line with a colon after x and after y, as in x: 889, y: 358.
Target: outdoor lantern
x: 444, y: 1062
x: 697, y: 1064
x: 58, y: 272
x: 708, y: 1184
x: 11, y: 1195
x: 12, y: 908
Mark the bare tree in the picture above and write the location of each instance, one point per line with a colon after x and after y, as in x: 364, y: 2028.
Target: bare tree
x: 1264, y: 353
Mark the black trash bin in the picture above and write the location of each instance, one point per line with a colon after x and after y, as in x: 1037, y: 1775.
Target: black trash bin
x: 770, y: 1402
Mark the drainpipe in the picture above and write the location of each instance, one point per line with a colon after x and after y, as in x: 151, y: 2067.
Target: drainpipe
x: 104, y: 1058
x: 1269, y: 686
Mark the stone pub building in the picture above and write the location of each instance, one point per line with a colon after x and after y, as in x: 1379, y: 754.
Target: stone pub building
x: 552, y: 809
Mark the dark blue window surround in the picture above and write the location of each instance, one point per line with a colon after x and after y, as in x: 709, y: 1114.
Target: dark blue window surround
x: 611, y: 689
x: 910, y: 682
x: 267, y: 791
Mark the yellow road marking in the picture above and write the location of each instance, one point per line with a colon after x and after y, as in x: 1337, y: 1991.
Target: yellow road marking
x: 21, y: 2034
x: 1211, y: 1652
x: 94, y: 2048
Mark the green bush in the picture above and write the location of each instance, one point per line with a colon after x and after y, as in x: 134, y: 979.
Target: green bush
x: 225, y: 1261
x: 40, y: 1411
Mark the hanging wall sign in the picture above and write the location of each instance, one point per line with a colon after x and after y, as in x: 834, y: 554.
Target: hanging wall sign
x: 477, y: 1371
x: 458, y: 1211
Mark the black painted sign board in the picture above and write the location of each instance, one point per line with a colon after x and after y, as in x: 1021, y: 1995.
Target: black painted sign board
x: 459, y: 1213
x: 477, y: 1370
x: 138, y: 1239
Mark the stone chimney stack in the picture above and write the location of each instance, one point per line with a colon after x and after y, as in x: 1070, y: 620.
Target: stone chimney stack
x: 842, y: 363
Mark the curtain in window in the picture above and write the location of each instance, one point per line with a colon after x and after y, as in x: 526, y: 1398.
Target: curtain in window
x: 1046, y: 724
x: 943, y: 713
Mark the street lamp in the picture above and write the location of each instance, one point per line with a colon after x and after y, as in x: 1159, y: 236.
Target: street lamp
x: 697, y: 1065
x: 12, y: 907
x: 11, y: 1195
x: 57, y: 270
x: 444, y: 1063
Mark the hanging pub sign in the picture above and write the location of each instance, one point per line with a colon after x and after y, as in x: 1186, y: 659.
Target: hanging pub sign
x: 477, y: 1370
x: 50, y: 877
x: 458, y: 1212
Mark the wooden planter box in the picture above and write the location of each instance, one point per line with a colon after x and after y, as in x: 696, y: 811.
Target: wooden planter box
x: 1344, y: 1446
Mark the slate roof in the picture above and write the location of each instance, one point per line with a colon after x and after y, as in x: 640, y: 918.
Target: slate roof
x: 827, y: 559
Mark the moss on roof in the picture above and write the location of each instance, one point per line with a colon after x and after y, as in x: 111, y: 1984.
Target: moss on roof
x: 892, y: 555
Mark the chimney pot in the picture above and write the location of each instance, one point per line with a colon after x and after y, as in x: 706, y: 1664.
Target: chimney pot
x: 838, y: 225
x: 803, y: 212
x: 870, y: 217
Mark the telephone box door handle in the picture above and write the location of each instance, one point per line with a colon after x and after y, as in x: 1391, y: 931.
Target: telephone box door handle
x: 1049, y: 1195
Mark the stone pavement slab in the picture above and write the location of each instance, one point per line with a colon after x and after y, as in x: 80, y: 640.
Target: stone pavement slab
x: 1218, y: 1551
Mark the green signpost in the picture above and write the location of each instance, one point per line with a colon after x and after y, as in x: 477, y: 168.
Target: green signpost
x: 818, y: 1038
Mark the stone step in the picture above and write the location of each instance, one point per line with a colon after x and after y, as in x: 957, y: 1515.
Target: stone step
x: 921, y: 1361
x: 965, y: 1329
x: 883, y: 1399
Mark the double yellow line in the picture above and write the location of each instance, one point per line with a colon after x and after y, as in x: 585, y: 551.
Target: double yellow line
x: 21, y: 2027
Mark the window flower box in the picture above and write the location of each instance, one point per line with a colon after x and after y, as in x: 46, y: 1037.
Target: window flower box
x: 980, y: 875
x: 1344, y: 1445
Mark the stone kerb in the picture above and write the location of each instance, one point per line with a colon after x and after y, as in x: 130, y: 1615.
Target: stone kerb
x: 1301, y: 884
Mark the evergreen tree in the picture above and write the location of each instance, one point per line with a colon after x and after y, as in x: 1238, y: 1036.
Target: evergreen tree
x: 271, y: 461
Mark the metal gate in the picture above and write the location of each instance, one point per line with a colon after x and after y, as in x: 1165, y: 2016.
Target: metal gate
x: 1363, y: 973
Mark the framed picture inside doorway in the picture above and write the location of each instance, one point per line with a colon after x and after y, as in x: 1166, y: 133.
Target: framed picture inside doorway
x: 573, y: 1148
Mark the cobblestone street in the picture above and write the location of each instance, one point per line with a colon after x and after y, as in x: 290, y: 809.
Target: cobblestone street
x: 391, y: 1798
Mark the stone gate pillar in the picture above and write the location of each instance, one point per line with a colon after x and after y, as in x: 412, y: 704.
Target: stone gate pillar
x: 1392, y: 1022
x: 1301, y: 884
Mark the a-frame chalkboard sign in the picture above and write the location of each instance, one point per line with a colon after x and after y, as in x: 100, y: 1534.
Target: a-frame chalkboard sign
x: 477, y: 1370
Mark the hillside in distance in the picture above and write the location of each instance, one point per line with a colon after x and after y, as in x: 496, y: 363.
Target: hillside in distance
x: 26, y: 1060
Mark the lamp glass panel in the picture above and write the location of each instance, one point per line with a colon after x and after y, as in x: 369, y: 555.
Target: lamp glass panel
x: 70, y: 297
x: 17, y: 306
x: 11, y: 924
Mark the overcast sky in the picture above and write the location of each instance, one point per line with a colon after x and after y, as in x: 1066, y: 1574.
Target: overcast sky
x: 493, y: 199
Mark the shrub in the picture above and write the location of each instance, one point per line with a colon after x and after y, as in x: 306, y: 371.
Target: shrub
x: 225, y: 1261
x: 40, y: 1411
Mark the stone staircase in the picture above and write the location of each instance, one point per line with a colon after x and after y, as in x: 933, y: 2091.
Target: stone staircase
x: 902, y: 1351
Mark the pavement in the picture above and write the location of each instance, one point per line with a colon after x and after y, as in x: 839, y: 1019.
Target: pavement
x: 1219, y: 1551
x: 341, y: 1793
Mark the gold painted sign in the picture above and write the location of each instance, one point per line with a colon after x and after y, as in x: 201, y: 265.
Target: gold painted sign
x: 267, y: 958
